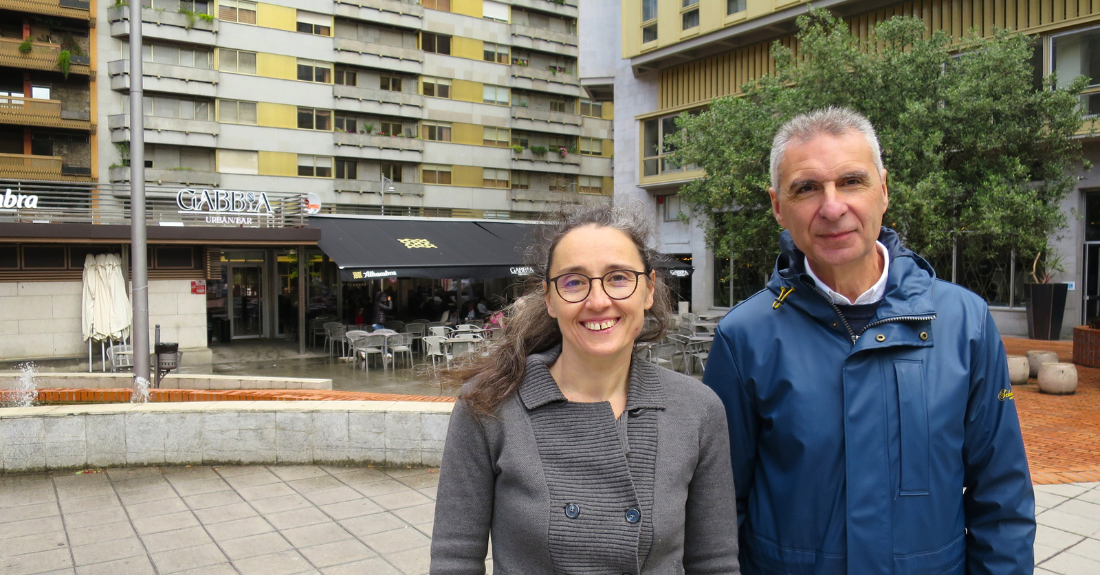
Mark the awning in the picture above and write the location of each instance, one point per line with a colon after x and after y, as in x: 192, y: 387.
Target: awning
x: 366, y: 247
x: 673, y: 267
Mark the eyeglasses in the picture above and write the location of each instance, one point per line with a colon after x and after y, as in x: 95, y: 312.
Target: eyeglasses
x: 618, y: 284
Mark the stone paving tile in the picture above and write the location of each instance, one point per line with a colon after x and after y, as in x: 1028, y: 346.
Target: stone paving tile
x: 155, y: 508
x: 89, y: 503
x: 334, y: 495
x: 139, y: 565
x: 349, y: 509
x: 104, y: 552
x: 232, y: 512
x: 411, y: 562
x: 336, y: 553
x: 297, y: 518
x: 32, y: 543
x: 99, y: 533
x: 254, y: 545
x: 388, y: 542
x: 280, y: 503
x: 35, y: 511
x: 200, y: 486
x: 147, y: 494
x: 382, y: 487
x: 99, y: 517
x: 417, y: 514
x: 188, y: 558
x: 178, y: 539
x: 215, y: 499
x: 400, y: 500
x: 39, y: 562
x: 295, y: 472
x: 318, y: 483
x: 368, y: 525
x: 21, y: 497
x: 239, y: 528
x: 29, y: 526
x: 281, y: 563
x: 263, y: 477
x: 361, y: 476
x: 167, y: 522
x: 265, y: 491
x: 376, y: 566
x: 311, y: 535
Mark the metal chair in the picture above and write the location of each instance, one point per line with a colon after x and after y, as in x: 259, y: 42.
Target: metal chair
x: 350, y: 337
x: 681, y: 342
x: 436, y: 349
x: 334, y: 332
x: 697, y: 351
x: 369, y: 345
x: 120, y: 357
x: 384, y: 331
x: 395, y: 324
x: 440, y: 331
x: 462, y: 343
x: 398, y: 344
x: 416, y: 332
x: 663, y: 354
x: 317, y: 328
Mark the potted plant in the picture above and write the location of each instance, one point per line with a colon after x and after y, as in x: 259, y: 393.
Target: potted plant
x: 1046, y: 299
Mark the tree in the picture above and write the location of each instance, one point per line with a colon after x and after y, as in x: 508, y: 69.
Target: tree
x: 973, y: 146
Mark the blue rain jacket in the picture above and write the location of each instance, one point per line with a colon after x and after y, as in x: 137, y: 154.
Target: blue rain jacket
x: 895, y: 451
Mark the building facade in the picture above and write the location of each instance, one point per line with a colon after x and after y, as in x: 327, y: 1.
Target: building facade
x: 678, y: 55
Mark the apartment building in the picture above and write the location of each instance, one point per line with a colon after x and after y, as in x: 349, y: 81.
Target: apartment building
x: 678, y: 55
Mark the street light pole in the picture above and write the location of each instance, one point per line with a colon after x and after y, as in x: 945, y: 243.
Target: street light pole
x: 139, y: 252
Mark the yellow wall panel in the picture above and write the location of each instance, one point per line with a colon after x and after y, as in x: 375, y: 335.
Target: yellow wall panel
x: 278, y: 17
x: 276, y: 115
x: 467, y: 48
x: 467, y: 134
x: 608, y: 112
x: 467, y: 176
x: 278, y: 164
x: 467, y: 7
x: 276, y: 66
x: 608, y: 186
x: 467, y: 91
x: 608, y: 148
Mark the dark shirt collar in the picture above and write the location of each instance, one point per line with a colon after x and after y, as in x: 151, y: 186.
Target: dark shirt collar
x: 539, y: 388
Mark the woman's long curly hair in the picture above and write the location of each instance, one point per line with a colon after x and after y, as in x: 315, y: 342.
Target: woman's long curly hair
x: 495, y: 375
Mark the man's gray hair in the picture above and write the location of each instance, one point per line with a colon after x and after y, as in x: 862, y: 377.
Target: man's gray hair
x: 830, y: 121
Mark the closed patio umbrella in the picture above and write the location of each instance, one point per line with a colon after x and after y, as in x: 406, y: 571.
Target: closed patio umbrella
x: 101, y: 311
x: 118, y: 300
x: 87, y: 300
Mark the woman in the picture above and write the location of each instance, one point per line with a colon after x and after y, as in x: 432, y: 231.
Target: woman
x: 574, y: 453
x: 382, y: 305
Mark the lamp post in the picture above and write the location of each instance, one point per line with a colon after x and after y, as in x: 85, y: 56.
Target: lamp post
x: 140, y: 271
x: 387, y: 186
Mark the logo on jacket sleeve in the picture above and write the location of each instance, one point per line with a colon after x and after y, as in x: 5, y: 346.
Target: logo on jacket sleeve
x: 1005, y: 394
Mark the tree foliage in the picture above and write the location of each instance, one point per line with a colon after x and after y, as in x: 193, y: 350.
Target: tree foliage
x: 971, y: 147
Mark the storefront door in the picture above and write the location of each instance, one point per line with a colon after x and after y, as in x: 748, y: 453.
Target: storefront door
x: 246, y: 310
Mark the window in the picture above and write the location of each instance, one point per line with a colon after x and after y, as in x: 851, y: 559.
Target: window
x: 391, y: 83
x: 496, y: 137
x: 314, y: 119
x: 495, y: 53
x: 441, y: 5
x: 237, y: 11
x: 437, y: 43
x: 557, y: 106
x: 437, y: 87
x: 184, y: 109
x: 347, y: 169
x: 521, y: 180
x: 392, y: 171
x: 345, y: 78
x: 393, y: 129
x: 237, y: 61
x: 195, y: 6
x: 314, y: 166
x: 590, y: 185
x: 495, y: 95
x: 590, y: 108
x: 238, y: 162
x: 173, y: 55
x: 491, y: 178
x: 436, y: 131
x: 672, y: 208
x: 561, y: 184
x: 649, y: 33
x: 237, y: 112
x: 591, y: 146
x: 649, y: 10
x: 654, y: 151
x: 520, y: 99
x: 520, y: 139
x: 689, y: 19
x: 311, y: 71
x: 735, y: 6
x: 316, y: 24
x: 494, y: 11
x: 436, y: 174
x: 1078, y: 54
x: 555, y: 142
x: 346, y: 124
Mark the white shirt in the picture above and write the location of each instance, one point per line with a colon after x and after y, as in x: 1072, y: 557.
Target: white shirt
x: 872, y: 295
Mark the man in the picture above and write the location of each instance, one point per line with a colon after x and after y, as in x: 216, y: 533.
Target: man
x: 872, y: 425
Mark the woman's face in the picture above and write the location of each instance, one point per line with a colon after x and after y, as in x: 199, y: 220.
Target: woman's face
x: 598, y: 326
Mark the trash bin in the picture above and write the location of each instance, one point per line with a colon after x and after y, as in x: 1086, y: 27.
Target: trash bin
x: 167, y: 356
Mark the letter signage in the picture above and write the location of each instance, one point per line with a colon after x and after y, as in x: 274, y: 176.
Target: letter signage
x: 224, y: 207
x: 10, y: 201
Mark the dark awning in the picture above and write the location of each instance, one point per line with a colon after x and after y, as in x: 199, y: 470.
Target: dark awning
x: 673, y: 266
x: 365, y: 247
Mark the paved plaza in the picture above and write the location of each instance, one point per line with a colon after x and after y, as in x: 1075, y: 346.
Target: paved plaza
x: 331, y: 520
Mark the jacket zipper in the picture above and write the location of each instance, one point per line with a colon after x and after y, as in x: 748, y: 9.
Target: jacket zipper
x: 855, y: 337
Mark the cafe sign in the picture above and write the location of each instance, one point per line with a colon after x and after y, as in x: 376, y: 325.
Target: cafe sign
x: 369, y: 274
x: 223, y: 206
x: 17, y: 201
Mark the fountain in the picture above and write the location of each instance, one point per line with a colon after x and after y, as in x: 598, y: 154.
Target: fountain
x: 25, y: 392
x: 141, y: 391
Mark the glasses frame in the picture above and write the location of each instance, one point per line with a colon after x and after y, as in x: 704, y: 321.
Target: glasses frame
x: 591, y: 282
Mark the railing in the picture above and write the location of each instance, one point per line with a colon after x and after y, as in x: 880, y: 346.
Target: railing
x: 399, y: 7
x: 375, y: 187
x: 77, y: 9
x: 563, y: 38
x: 27, y: 166
x: 109, y: 204
x: 42, y: 56
x: 33, y: 112
x: 375, y: 141
x: 524, y: 113
x: 533, y: 73
x: 340, y: 91
x: 376, y: 49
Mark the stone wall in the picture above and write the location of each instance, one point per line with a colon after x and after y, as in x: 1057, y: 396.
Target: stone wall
x: 42, y: 319
x: 263, y: 432
x: 97, y: 380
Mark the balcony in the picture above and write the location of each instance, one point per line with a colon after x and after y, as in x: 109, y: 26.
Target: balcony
x: 43, y: 113
x: 77, y: 9
x: 173, y: 131
x: 161, y: 25
x: 373, y: 146
x: 374, y: 55
x: 544, y: 40
x: 369, y: 187
x: 377, y: 102
x: 391, y: 12
x: 543, y: 80
x: 41, y: 57
x: 165, y: 78
x: 567, y: 8
x: 554, y: 197
x: 545, y: 121
x: 26, y: 167
x: 550, y: 162
x: 161, y: 176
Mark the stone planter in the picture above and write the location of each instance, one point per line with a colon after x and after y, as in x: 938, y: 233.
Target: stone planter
x: 1058, y: 378
x: 1036, y: 359
x: 1018, y: 370
x: 1086, y: 346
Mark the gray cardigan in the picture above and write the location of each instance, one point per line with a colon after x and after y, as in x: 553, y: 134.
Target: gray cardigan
x: 564, y: 487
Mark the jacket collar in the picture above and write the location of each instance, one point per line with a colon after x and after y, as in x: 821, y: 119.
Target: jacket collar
x: 908, y: 285
x: 539, y: 388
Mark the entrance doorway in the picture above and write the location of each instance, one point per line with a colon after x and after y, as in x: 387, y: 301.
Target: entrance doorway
x: 246, y: 317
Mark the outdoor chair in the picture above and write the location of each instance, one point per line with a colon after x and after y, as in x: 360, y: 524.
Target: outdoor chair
x: 463, y: 343
x: 400, y: 344
x: 416, y: 332
x: 121, y: 357
x: 697, y: 351
x: 317, y: 328
x: 440, y: 331
x: 465, y: 335
x: 467, y: 327
x: 384, y: 331
x: 351, y: 336
x: 681, y: 342
x: 334, y: 333
x: 436, y: 349
x: 423, y: 321
x: 370, y: 345
x: 663, y: 354
x: 395, y: 324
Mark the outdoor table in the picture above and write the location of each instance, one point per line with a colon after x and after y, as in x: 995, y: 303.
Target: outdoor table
x: 466, y: 345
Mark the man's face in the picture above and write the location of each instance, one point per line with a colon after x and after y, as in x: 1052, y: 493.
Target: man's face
x: 831, y: 197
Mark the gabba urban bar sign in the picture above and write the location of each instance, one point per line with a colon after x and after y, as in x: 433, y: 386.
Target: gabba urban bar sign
x: 223, y: 206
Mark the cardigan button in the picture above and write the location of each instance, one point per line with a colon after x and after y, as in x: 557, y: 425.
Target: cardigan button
x: 572, y: 510
x: 633, y: 515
